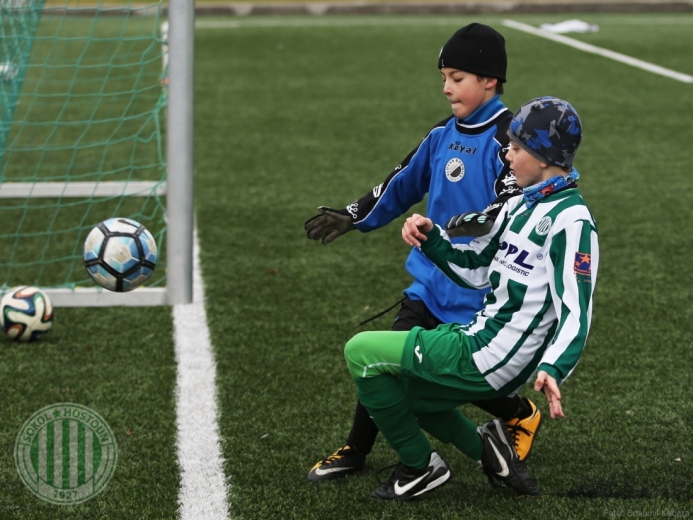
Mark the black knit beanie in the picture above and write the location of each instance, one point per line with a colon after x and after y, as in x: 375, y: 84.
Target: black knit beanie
x: 478, y: 49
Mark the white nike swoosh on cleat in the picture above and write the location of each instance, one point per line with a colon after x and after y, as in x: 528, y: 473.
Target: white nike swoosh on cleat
x: 432, y: 485
x: 320, y: 471
x: 400, y: 490
x: 505, y: 471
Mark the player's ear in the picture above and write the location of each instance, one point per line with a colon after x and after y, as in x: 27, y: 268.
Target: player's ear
x: 491, y: 83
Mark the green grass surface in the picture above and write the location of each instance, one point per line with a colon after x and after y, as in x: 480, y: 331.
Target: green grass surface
x: 289, y: 118
x: 118, y: 362
x: 320, y: 115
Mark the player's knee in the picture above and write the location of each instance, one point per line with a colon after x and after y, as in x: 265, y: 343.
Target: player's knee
x: 353, y: 353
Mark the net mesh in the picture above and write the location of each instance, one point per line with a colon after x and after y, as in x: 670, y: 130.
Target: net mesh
x: 82, y: 97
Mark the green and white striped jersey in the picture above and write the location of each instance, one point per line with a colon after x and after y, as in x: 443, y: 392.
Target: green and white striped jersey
x: 541, y: 263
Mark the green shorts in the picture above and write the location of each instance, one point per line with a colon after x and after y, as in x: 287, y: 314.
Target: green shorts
x: 440, y: 370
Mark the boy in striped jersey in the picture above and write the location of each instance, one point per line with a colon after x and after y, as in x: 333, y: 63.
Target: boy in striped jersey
x: 540, y: 260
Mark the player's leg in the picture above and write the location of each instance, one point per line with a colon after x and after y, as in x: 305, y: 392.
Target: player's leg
x: 451, y: 426
x: 351, y: 457
x: 489, y: 445
x: 412, y: 313
x: 522, y: 419
x: 443, y: 375
x: 374, y: 360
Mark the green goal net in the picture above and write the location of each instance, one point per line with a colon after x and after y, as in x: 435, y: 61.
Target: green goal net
x: 82, y: 98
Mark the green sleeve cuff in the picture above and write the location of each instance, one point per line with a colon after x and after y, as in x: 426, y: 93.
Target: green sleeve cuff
x: 432, y: 238
x: 552, y: 371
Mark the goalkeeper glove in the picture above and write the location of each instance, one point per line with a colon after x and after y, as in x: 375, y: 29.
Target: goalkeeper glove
x: 329, y: 225
x: 469, y: 225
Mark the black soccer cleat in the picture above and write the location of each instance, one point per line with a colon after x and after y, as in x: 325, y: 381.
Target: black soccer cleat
x: 407, y: 483
x: 344, y: 461
x: 500, y: 462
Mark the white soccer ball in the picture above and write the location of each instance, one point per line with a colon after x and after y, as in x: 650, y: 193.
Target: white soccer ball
x: 26, y: 313
x: 8, y: 72
x: 120, y: 254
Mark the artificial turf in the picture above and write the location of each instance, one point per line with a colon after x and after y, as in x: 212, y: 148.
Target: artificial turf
x: 296, y: 117
x: 289, y: 118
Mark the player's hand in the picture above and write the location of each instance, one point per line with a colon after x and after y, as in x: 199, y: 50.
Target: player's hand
x: 414, y: 229
x: 329, y: 225
x: 472, y: 224
x: 547, y: 384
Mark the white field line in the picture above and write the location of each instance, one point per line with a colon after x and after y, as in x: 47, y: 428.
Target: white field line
x: 203, y: 489
x: 202, y: 23
x: 380, y: 21
x: 648, y: 20
x: 628, y: 60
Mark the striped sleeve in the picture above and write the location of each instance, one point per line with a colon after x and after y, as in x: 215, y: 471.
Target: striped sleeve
x: 572, y: 270
x: 465, y: 264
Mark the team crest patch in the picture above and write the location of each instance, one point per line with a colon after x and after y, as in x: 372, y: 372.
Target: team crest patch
x: 583, y: 264
x: 543, y: 227
x: 454, y: 169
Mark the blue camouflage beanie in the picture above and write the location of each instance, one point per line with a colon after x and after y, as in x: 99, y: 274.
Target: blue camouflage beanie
x: 549, y: 129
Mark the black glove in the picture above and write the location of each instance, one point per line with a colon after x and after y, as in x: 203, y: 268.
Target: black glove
x: 469, y: 225
x: 329, y: 225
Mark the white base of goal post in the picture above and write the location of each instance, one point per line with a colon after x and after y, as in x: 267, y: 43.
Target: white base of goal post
x: 15, y: 190
x: 92, y: 297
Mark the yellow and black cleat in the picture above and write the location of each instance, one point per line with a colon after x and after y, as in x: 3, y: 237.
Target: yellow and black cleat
x: 344, y: 461
x: 524, y: 431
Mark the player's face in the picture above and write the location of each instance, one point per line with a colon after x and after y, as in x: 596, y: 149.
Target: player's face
x: 466, y: 91
x: 528, y: 169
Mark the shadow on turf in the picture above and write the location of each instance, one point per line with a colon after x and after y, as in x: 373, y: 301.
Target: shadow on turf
x: 620, y: 487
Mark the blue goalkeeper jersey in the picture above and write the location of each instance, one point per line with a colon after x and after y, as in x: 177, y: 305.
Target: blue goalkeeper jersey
x: 461, y: 165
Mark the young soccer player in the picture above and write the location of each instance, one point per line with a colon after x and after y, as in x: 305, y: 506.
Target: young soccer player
x: 461, y: 164
x: 540, y: 260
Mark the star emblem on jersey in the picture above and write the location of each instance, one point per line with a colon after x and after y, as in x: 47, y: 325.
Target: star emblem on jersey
x: 454, y: 169
x: 583, y: 264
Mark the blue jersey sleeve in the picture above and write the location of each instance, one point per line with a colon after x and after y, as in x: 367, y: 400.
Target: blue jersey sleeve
x: 406, y: 185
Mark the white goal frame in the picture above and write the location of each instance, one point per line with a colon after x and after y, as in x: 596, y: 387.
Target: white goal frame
x: 178, y: 37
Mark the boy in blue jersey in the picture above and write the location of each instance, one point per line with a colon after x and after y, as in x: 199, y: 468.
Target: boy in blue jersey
x: 461, y: 164
x: 541, y: 259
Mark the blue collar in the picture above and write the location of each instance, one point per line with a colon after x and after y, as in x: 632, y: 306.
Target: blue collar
x: 484, y: 112
x: 534, y: 194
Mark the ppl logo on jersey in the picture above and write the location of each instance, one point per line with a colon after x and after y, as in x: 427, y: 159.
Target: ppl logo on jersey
x: 520, y: 259
x: 583, y: 264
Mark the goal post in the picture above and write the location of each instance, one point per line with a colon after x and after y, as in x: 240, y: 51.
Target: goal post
x: 181, y: 27
x: 95, y: 102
